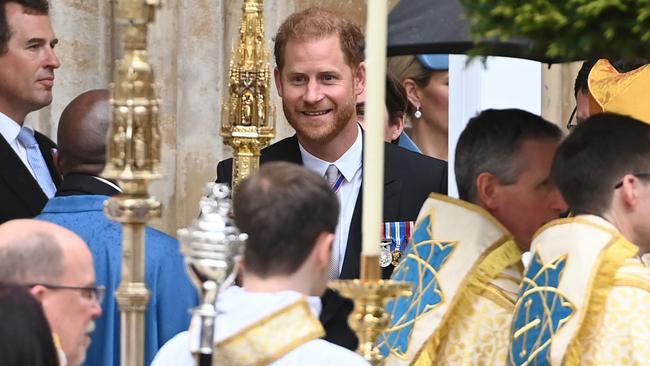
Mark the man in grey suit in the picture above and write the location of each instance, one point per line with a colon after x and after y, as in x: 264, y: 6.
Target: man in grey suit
x: 27, y: 62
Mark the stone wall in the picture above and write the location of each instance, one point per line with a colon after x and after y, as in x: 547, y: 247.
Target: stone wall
x: 189, y: 45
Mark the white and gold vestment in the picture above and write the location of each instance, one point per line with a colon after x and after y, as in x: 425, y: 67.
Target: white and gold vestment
x: 466, y: 269
x: 263, y: 328
x: 585, y: 298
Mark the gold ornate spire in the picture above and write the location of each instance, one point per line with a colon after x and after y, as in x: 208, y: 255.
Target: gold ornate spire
x: 133, y: 159
x: 247, y: 125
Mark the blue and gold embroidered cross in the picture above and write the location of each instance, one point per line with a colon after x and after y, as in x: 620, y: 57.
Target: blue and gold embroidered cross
x: 540, y: 312
x: 420, y: 266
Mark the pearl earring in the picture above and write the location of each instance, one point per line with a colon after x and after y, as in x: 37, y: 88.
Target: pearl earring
x: 417, y: 114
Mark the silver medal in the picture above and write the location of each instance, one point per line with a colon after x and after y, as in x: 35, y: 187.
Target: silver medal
x: 385, y: 255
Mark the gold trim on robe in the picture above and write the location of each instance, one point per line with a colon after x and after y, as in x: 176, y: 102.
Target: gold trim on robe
x: 271, y: 337
x: 584, y: 298
x: 466, y: 270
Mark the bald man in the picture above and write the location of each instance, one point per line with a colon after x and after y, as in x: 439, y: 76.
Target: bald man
x: 57, y: 266
x: 78, y: 206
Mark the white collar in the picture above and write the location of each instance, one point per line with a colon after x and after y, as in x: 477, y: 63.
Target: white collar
x: 238, y: 297
x: 108, y: 182
x: 347, y: 164
x: 9, y: 128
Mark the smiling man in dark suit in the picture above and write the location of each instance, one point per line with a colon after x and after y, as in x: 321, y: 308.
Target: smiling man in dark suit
x: 319, y: 75
x: 27, y: 62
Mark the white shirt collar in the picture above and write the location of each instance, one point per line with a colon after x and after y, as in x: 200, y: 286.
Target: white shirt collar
x: 347, y: 164
x: 9, y: 128
x: 109, y: 183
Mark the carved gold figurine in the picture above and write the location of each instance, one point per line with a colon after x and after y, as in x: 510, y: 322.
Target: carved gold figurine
x: 133, y: 159
x: 246, y: 125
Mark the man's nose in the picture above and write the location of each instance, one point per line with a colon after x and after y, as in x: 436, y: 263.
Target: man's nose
x: 96, y: 310
x: 557, y: 201
x: 51, y: 60
x: 314, y: 92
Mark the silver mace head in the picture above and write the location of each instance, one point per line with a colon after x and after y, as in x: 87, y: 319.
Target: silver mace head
x: 212, y: 244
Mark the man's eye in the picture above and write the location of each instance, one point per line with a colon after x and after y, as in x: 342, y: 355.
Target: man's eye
x: 298, y: 80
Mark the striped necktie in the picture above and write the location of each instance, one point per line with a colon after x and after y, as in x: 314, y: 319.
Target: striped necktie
x: 334, y: 179
x: 37, y: 162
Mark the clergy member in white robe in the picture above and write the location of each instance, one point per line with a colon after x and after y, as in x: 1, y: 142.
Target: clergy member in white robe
x: 290, y: 216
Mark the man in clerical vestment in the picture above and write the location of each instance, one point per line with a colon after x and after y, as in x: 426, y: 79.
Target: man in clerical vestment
x: 464, y: 258
x: 290, y: 215
x: 585, y: 298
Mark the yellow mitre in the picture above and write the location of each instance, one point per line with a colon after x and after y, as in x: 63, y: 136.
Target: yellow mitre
x: 623, y: 93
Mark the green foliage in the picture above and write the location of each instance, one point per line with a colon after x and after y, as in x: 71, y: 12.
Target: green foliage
x: 566, y: 29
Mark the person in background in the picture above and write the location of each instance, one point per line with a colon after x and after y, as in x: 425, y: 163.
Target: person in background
x: 57, y: 267
x: 290, y: 215
x: 584, y: 298
x: 426, y: 81
x: 28, y: 177
x: 79, y: 206
x: 465, y: 256
x: 319, y: 74
x: 25, y: 336
x: 396, y: 104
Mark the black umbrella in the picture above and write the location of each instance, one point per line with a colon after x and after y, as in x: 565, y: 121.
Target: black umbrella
x: 439, y: 26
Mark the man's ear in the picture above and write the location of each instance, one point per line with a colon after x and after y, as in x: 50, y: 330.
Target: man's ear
x: 360, y: 79
x: 412, y: 92
x: 487, y: 190
x: 323, y: 249
x: 38, y: 292
x: 396, y: 127
x: 277, y: 75
x: 629, y: 191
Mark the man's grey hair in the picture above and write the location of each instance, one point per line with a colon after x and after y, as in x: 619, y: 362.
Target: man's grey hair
x: 491, y: 143
x: 32, y: 258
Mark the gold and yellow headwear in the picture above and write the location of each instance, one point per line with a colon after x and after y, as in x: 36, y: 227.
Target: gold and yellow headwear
x: 623, y: 93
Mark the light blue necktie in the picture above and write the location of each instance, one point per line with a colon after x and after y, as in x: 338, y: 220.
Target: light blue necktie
x: 332, y: 175
x: 36, y: 161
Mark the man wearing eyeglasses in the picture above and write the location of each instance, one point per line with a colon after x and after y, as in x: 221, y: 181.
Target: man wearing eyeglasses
x: 58, y: 267
x: 584, y: 299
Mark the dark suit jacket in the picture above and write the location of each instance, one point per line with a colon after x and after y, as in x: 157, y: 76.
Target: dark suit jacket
x: 408, y: 179
x: 20, y: 194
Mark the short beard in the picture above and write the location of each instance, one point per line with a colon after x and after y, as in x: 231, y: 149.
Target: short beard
x: 342, y: 117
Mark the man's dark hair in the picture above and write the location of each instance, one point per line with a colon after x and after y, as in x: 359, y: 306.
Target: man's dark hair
x: 491, y: 143
x: 283, y: 209
x: 595, y: 156
x: 582, y: 79
x: 25, y: 335
x: 629, y: 65
x: 396, y: 100
x: 39, y: 7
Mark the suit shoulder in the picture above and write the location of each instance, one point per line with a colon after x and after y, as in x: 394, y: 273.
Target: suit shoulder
x: 398, y: 155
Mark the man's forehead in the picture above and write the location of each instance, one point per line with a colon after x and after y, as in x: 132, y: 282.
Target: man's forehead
x: 25, y: 20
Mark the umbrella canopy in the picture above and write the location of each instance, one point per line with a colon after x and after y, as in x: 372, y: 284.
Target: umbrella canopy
x: 440, y: 26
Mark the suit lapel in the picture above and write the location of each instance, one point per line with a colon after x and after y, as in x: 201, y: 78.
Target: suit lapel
x: 19, y: 179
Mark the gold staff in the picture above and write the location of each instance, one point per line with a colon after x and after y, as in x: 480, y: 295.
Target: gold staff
x: 369, y: 293
x: 246, y: 123
x: 133, y: 159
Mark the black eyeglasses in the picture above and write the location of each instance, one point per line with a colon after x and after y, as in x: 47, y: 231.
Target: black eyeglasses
x: 91, y: 292
x: 638, y: 175
x: 572, y: 123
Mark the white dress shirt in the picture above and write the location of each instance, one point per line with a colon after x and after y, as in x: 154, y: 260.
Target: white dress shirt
x: 350, y: 166
x: 10, y: 130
